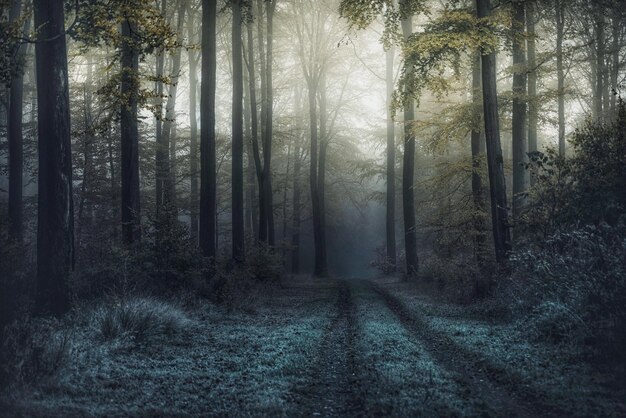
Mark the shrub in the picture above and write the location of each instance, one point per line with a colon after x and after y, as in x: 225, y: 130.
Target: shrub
x: 573, y: 287
x: 139, y: 318
x: 33, y: 349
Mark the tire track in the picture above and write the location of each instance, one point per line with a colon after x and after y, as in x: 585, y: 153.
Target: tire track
x: 334, y: 388
x: 502, y: 392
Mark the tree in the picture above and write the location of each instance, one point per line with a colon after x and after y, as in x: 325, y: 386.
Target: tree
x: 478, y: 152
x: 408, y: 170
x: 520, y: 144
x: 238, y: 238
x: 167, y: 171
x: 533, y: 106
x: 208, y: 183
x: 390, y: 224
x: 495, y: 162
x: 131, y: 215
x: 15, y: 130
x: 193, y: 128
x: 55, y: 220
x: 559, y: 15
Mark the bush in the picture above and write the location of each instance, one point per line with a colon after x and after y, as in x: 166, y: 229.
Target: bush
x: 33, y: 349
x: 573, y: 287
x: 140, y: 319
x: 588, y: 188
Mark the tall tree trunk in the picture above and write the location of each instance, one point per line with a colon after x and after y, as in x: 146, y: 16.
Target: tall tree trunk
x: 250, y: 177
x: 324, y: 137
x: 15, y: 134
x: 599, y: 88
x: 408, y: 174
x: 495, y: 162
x: 263, y: 206
x: 297, y: 163
x: 237, y: 140
x: 88, y: 141
x: 478, y: 153
x: 320, y: 267
x: 55, y: 220
x: 615, y: 68
x: 533, y: 113
x: 161, y: 150
x: 131, y: 216
x: 560, y: 72
x: 208, y: 185
x: 193, y: 132
x: 285, y: 205
x: 520, y: 144
x: 168, y: 173
x: 295, y: 226
x: 390, y: 224
x: 269, y: 116
x: 254, y: 134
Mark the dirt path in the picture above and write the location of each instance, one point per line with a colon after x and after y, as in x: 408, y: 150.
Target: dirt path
x: 502, y: 393
x: 335, y: 385
x: 339, y: 375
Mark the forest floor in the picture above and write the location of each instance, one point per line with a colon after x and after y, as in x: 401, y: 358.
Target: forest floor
x: 325, y: 348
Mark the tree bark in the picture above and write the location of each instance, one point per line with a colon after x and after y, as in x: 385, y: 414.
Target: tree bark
x: 131, y: 216
x: 600, y: 52
x: 237, y: 139
x: 160, y: 152
x: 208, y: 185
x: 408, y: 174
x: 254, y: 132
x: 560, y: 72
x: 495, y: 162
x: 193, y: 133
x: 390, y: 224
x: 533, y: 111
x: 55, y: 220
x: 15, y: 134
x: 269, y: 116
x: 520, y: 144
x: 324, y: 138
x: 478, y: 152
x: 615, y: 68
x: 167, y: 171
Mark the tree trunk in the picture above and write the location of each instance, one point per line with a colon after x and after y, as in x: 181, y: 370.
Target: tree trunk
x: 408, y: 174
x: 131, y: 216
x: 295, y: 228
x: 167, y: 170
x: 560, y: 72
x: 269, y: 116
x: 55, y: 220
x: 478, y: 152
x: 237, y: 140
x: 208, y: 185
x: 160, y: 152
x: 615, y: 68
x: 390, y: 224
x: 254, y: 135
x: 263, y: 206
x: 599, y: 90
x: 533, y: 111
x: 193, y: 134
x: 321, y: 178
x: 320, y: 268
x: 520, y: 144
x: 495, y: 162
x: 15, y: 135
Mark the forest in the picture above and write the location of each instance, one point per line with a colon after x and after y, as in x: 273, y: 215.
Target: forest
x: 312, y: 208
